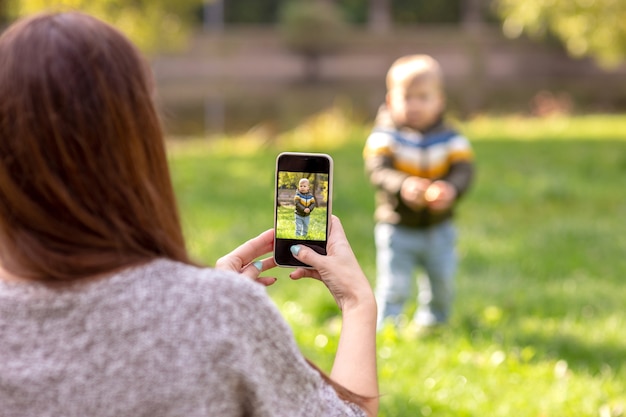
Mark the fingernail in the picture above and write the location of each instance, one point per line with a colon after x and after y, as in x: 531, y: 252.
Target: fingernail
x: 295, y: 249
x: 258, y: 265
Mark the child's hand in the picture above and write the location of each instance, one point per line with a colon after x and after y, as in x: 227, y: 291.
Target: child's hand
x: 413, y: 190
x: 440, y: 195
x: 307, y: 210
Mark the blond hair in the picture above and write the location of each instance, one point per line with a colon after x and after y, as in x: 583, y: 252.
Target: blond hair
x: 408, y: 68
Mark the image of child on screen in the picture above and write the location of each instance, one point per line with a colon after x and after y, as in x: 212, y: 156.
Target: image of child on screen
x: 305, y: 203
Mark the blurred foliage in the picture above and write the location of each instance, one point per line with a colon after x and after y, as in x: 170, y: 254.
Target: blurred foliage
x: 426, y: 11
x: 251, y: 11
x: 3, y: 13
x: 312, y: 29
x: 151, y: 24
x: 355, y: 11
x: 595, y: 28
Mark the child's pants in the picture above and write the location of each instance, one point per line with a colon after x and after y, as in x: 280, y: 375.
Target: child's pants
x: 400, y: 251
x: 302, y: 225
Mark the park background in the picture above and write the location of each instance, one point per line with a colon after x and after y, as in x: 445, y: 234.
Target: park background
x: 540, y: 89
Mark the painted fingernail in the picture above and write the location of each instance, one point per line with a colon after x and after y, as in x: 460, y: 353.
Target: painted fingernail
x: 258, y: 265
x: 295, y: 249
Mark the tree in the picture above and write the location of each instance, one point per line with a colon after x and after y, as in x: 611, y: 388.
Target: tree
x: 213, y: 15
x: 595, y: 28
x: 472, y: 14
x: 312, y: 29
x: 379, y: 17
x: 151, y: 24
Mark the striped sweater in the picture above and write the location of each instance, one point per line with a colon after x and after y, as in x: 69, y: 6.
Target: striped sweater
x: 392, y: 154
x: 304, y: 201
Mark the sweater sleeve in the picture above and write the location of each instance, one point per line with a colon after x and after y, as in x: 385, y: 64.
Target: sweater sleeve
x: 297, y: 201
x: 378, y: 156
x: 460, y: 176
x: 461, y: 172
x: 275, y: 379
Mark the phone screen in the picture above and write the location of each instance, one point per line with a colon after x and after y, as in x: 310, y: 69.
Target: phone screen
x: 302, y: 204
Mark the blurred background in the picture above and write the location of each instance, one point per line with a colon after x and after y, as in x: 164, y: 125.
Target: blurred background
x: 539, y: 87
x: 226, y: 67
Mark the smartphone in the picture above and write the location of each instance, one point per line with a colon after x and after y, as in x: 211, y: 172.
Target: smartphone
x: 302, y: 204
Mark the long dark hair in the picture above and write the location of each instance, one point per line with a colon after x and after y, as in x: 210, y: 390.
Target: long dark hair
x: 85, y: 187
x: 84, y: 180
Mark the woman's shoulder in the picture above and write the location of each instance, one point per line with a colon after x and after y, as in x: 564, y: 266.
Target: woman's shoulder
x: 161, y: 284
x: 176, y: 279
x: 170, y: 272
x: 202, y: 300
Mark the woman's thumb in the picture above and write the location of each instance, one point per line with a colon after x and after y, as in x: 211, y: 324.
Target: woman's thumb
x: 304, y: 254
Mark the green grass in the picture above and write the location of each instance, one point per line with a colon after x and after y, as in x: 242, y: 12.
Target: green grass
x: 286, y: 226
x: 539, y: 322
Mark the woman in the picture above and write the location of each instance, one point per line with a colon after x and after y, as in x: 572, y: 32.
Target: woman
x: 102, y: 313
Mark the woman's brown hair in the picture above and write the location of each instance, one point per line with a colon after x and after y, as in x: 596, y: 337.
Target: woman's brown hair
x: 84, y: 181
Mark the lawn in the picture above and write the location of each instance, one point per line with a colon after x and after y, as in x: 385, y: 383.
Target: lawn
x: 286, y: 226
x: 538, y: 325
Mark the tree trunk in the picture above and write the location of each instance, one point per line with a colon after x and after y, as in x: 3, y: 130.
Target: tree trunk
x: 472, y: 20
x: 472, y: 14
x: 213, y: 15
x: 312, y: 67
x: 379, y: 19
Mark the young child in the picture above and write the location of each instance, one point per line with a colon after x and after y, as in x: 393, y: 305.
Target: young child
x: 305, y: 203
x: 420, y: 168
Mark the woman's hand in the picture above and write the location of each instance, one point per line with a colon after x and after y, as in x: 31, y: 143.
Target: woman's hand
x: 241, y: 260
x: 339, y: 269
x: 355, y: 360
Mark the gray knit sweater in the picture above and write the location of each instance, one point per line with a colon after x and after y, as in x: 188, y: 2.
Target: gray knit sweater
x: 163, y: 339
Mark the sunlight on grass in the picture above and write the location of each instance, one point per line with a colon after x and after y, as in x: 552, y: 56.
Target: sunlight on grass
x: 537, y: 329
x: 590, y: 127
x: 286, y: 224
x: 326, y: 130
